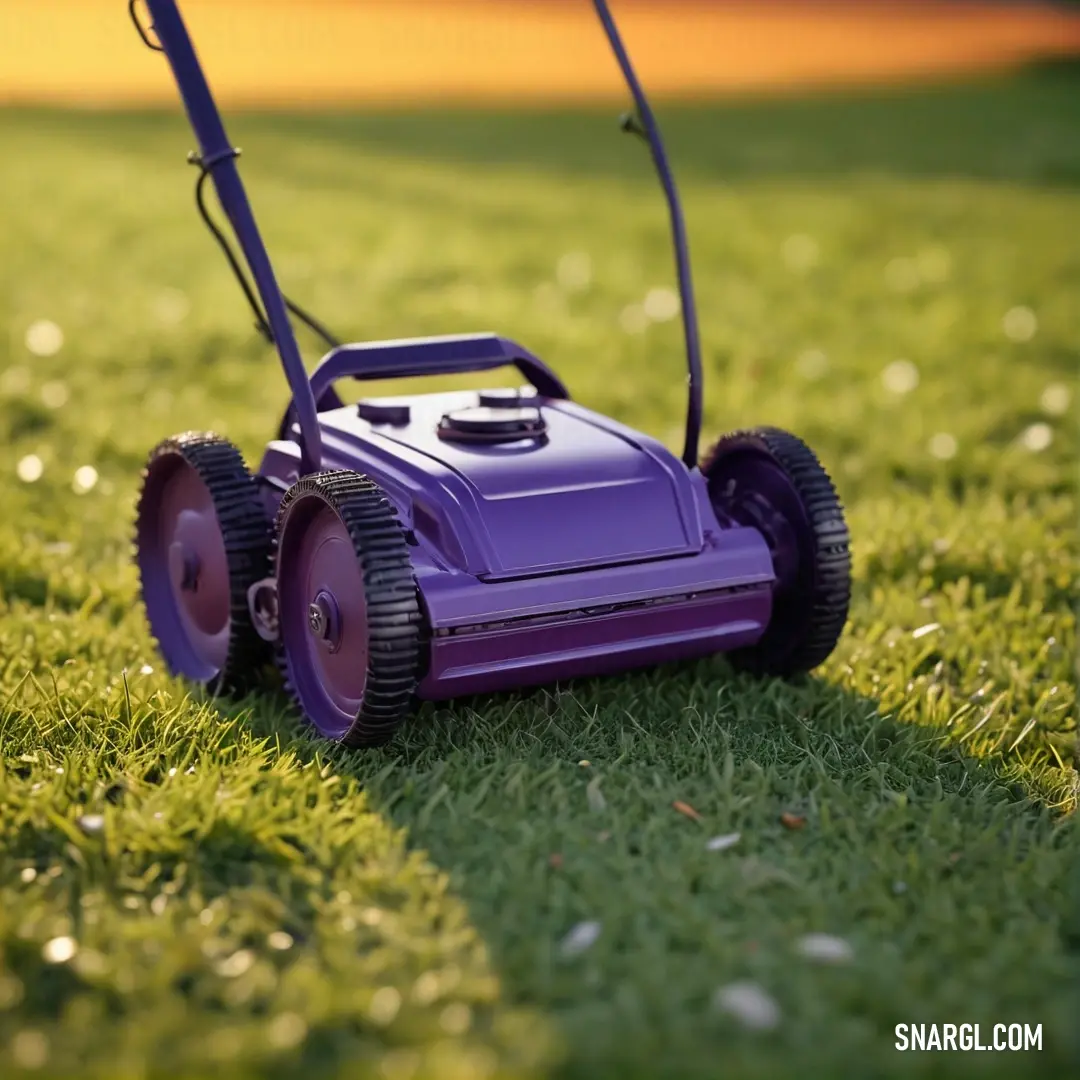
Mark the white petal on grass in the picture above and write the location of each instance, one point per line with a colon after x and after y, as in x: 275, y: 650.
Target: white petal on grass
x: 55, y: 394
x: 722, y: 843
x: 1037, y: 437
x: 279, y: 940
x: 574, y: 271
x: 1055, y: 399
x: 812, y: 364
x: 44, y: 338
x: 237, y: 964
x: 633, y: 319
x: 900, y: 377
x: 943, y: 446
x: 594, y: 796
x: 287, y: 1030
x: 456, y: 1018
x: 171, y: 306
x: 146, y: 669
x: 384, y: 1006
x: 581, y: 937
x: 29, y: 468
x: 28, y: 875
x: 16, y: 380
x: 800, y: 252
x: 30, y: 1049
x: 86, y: 478
x: 59, y: 950
x: 922, y: 631
x: 825, y: 949
x: 902, y: 274
x: 1020, y: 324
x: 91, y: 824
x: 427, y: 988
x: 750, y: 1004
x: 661, y: 305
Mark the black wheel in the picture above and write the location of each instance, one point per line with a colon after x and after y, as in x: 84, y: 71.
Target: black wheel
x: 772, y: 481
x: 349, y: 610
x: 202, y: 539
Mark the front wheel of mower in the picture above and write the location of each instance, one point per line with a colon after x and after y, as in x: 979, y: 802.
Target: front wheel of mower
x: 772, y: 481
x: 202, y: 539
x: 348, y: 607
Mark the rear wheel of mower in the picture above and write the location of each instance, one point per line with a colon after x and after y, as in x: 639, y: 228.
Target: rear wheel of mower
x: 202, y: 538
x: 772, y: 481
x: 348, y: 606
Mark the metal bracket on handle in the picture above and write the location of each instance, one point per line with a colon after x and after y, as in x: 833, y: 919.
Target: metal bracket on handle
x: 142, y: 30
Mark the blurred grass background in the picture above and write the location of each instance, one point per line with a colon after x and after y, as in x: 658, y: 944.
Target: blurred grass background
x: 192, y: 888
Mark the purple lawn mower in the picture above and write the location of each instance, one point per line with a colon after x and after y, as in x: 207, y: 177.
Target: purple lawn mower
x: 458, y: 543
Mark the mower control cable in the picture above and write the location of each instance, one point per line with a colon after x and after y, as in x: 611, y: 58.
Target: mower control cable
x: 643, y: 124
x: 262, y: 324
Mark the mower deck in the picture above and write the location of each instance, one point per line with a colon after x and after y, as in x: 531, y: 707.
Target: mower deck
x: 584, y: 563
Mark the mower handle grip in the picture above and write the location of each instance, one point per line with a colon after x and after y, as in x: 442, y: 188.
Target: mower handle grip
x: 453, y: 354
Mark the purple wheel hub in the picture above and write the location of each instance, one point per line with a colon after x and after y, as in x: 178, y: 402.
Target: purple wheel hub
x: 324, y: 615
x: 185, y: 569
x: 750, y: 488
x: 349, y: 609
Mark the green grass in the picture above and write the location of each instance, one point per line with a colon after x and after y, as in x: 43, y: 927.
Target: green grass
x: 416, y: 885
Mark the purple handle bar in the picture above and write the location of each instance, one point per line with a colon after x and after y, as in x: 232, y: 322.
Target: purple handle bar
x: 451, y: 355
x: 219, y: 157
x: 456, y: 354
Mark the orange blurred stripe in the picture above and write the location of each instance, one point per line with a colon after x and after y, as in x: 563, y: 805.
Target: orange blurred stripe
x: 311, y: 52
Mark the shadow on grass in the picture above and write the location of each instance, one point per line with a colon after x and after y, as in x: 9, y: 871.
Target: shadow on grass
x: 554, y: 807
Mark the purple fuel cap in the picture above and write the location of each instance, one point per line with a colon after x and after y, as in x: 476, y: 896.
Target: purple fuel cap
x: 484, y: 424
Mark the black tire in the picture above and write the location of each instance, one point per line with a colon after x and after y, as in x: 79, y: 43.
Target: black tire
x: 246, y: 531
x: 395, y: 633
x: 810, y: 613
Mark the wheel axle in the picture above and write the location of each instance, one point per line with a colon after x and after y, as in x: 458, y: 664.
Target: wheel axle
x: 324, y: 620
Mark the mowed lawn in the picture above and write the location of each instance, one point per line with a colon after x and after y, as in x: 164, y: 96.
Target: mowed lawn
x: 196, y: 888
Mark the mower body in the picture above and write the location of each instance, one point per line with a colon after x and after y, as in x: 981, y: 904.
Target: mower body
x: 580, y: 547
